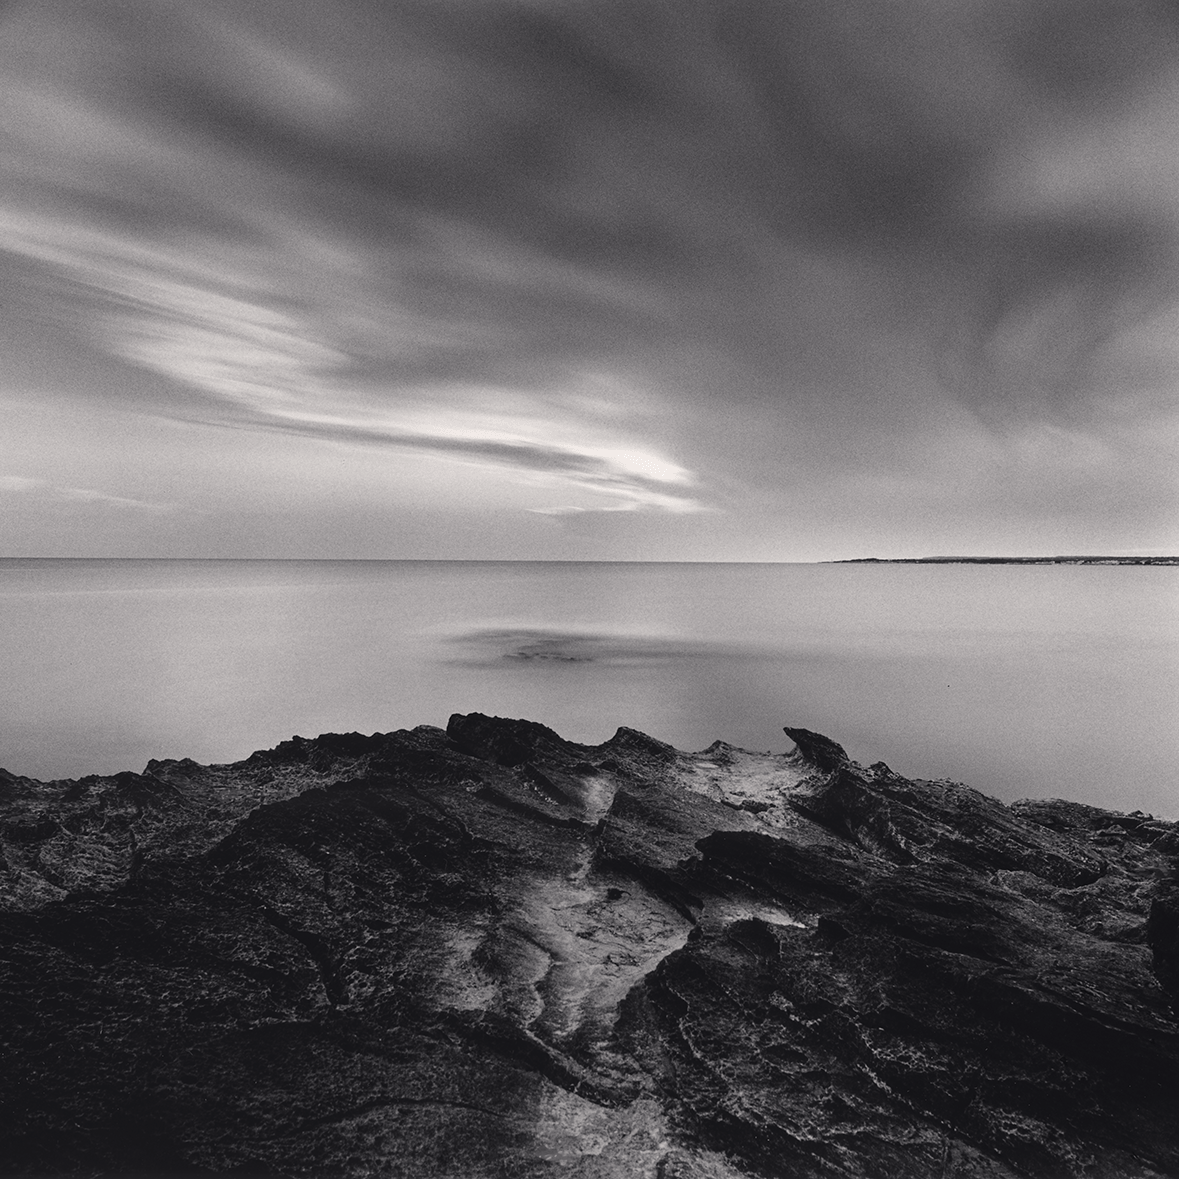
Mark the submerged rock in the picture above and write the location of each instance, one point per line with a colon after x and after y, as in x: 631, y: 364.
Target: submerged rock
x: 489, y: 952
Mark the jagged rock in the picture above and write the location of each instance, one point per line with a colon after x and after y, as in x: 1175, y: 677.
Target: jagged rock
x: 488, y: 952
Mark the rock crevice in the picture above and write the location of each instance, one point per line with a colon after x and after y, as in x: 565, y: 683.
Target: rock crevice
x: 486, y: 951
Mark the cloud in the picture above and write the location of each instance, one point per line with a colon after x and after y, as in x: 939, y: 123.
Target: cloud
x: 77, y: 496
x: 636, y: 479
x: 265, y: 359
x: 798, y: 236
x: 520, y: 189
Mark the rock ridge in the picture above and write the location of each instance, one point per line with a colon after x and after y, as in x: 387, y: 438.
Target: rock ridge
x: 485, y: 951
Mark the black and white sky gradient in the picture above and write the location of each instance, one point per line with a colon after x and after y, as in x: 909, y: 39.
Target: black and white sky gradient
x: 604, y: 279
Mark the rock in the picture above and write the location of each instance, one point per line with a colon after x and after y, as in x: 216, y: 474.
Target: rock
x: 489, y: 952
x: 821, y: 752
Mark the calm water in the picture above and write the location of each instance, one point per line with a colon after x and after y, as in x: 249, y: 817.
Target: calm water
x: 1021, y: 680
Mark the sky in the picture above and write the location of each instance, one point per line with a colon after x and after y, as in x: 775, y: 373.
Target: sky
x: 589, y: 279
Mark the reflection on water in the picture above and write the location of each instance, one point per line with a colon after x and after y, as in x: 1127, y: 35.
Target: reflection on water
x: 1024, y: 681
x: 484, y: 646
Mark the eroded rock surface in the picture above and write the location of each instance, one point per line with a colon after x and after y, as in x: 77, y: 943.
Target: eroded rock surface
x: 489, y: 952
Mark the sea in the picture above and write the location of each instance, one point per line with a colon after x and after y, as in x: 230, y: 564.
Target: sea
x: 1021, y: 680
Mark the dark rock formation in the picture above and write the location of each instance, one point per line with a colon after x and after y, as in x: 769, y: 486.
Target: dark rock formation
x: 489, y: 952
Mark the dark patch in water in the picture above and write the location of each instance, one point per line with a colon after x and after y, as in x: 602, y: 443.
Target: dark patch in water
x: 534, y: 645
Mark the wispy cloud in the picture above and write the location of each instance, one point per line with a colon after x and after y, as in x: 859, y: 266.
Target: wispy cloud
x: 809, y: 240
x: 264, y: 361
x: 181, y: 311
x: 79, y: 496
x: 633, y: 478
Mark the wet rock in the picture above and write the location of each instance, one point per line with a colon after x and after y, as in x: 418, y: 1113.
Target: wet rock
x: 488, y: 952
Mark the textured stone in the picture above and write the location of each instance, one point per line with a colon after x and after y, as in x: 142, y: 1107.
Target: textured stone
x: 489, y: 952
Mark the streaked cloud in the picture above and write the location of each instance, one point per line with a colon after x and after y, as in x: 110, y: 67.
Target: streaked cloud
x: 78, y: 496
x: 926, y: 251
x: 635, y: 479
x: 266, y: 360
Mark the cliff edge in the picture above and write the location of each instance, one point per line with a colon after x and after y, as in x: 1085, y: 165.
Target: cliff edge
x: 487, y: 952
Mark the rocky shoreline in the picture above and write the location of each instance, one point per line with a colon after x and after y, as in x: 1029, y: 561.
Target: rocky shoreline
x: 489, y: 952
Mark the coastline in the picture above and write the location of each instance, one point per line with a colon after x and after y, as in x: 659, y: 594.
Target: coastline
x: 487, y: 950
x: 1162, y: 561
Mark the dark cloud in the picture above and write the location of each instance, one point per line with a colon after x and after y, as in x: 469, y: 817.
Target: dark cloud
x: 863, y: 230
x: 1039, y: 301
x: 634, y: 138
x: 1093, y: 50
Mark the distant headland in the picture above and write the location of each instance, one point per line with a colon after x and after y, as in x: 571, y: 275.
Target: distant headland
x: 1007, y: 561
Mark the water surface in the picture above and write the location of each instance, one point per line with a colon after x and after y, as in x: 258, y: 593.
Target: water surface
x: 1021, y: 680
